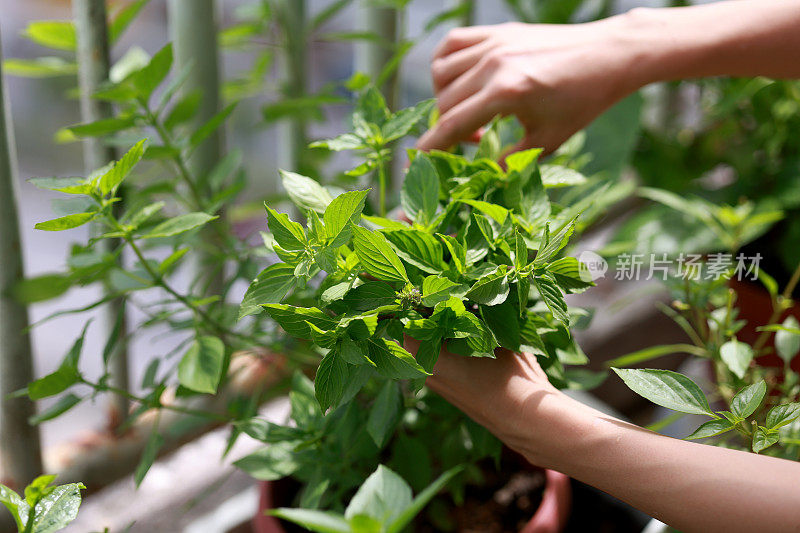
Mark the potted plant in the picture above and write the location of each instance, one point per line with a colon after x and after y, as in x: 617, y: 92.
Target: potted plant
x: 476, y: 267
x: 750, y: 405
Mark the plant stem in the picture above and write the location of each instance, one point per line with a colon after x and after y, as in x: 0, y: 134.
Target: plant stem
x: 144, y: 401
x: 159, y: 280
x: 93, y: 68
x: 183, y: 170
x: 382, y: 184
x: 779, y: 308
x: 20, y: 460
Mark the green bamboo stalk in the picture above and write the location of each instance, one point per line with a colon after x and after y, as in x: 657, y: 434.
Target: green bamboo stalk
x: 93, y: 67
x: 293, y: 18
x: 193, y: 29
x: 371, y: 56
x: 20, y: 450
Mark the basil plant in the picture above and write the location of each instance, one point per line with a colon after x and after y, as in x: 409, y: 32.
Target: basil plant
x: 471, y: 260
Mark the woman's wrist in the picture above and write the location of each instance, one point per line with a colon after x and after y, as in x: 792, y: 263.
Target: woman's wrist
x: 733, y: 38
x: 558, y: 428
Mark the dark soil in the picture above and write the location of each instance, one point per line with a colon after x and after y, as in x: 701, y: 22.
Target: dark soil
x: 505, y: 501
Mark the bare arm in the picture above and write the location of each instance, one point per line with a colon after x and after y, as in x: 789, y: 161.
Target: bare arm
x: 557, y: 78
x: 690, y: 486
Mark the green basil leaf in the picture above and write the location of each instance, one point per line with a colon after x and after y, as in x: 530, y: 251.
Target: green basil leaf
x: 458, y: 253
x: 736, y: 356
x: 306, y: 193
x: 331, y: 380
x: 148, y: 78
x: 120, y: 170
x: 200, y: 368
x: 552, y: 244
x: 780, y: 415
x: 377, y: 256
x: 383, y: 496
x: 154, y: 443
x: 57, y: 34
x: 420, y: 193
x: 392, y: 361
x: 418, y: 248
x: 180, y: 224
x: 271, y: 463
x: 552, y: 297
x: 787, y: 343
x: 313, y: 520
x: 494, y: 211
x: 287, y: 233
x: 403, y: 121
x: 270, y: 287
x: 340, y: 213
x: 294, y: 320
x: 408, y: 513
x: 763, y: 438
x: 748, y: 399
x: 384, y: 414
x: 64, y: 404
x: 212, y: 125
x: 65, y: 223
x: 58, y: 508
x: 667, y: 389
x: 437, y: 289
x: 491, y: 289
x: 103, y: 127
x: 711, y: 428
x: 556, y: 176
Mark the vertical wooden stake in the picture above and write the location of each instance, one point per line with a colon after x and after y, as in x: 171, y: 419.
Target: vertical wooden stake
x: 20, y: 450
x: 93, y: 66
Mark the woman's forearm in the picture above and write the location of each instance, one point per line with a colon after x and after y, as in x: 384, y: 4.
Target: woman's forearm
x: 690, y: 486
x: 734, y: 38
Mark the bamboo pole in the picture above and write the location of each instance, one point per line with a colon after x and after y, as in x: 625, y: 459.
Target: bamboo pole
x: 93, y: 67
x: 293, y: 21
x: 193, y: 30
x: 371, y: 58
x: 20, y: 451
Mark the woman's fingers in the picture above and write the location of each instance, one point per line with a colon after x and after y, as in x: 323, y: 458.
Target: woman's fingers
x: 472, y: 82
x: 446, y: 69
x: 460, y: 38
x: 459, y: 123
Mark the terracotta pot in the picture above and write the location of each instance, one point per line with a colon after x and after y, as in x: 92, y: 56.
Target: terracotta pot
x: 551, y: 517
x: 755, y: 306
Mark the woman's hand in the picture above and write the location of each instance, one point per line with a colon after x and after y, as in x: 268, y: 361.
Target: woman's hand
x: 554, y: 78
x: 557, y: 78
x: 691, y: 486
x: 510, y: 396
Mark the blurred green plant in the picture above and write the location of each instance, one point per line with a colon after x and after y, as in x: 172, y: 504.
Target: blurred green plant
x: 43, y: 508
